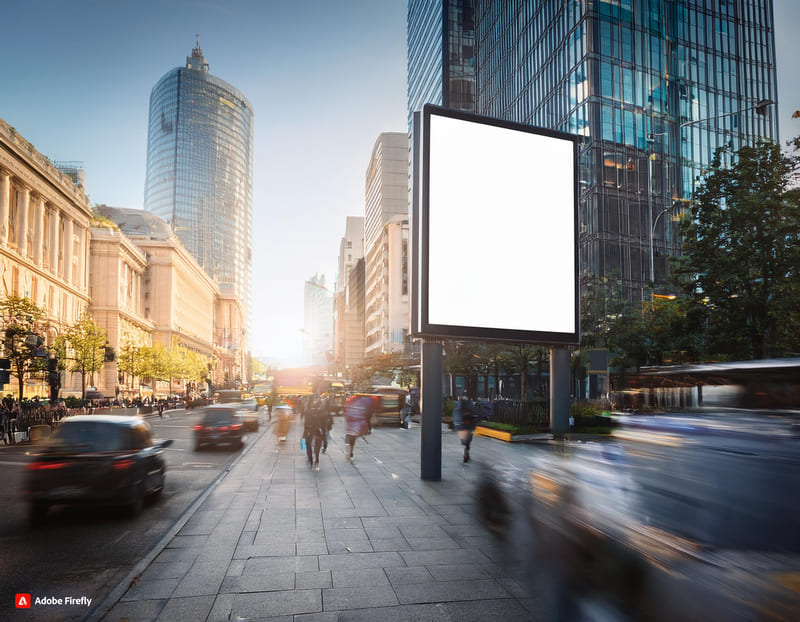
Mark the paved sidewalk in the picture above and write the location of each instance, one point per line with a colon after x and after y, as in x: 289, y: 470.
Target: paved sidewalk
x: 363, y: 541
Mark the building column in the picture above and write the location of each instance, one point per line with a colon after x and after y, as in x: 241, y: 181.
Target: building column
x: 38, y: 228
x: 5, y: 202
x: 55, y: 225
x: 67, y: 243
x: 22, y: 222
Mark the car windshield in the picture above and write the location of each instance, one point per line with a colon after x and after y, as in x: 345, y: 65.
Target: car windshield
x: 89, y: 436
x: 218, y: 417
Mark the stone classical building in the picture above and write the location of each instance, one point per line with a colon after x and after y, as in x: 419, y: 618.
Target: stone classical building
x: 44, y: 239
x: 183, y: 303
x: 117, y: 269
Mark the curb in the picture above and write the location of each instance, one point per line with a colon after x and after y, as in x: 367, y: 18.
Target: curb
x: 511, y: 438
x: 108, y: 603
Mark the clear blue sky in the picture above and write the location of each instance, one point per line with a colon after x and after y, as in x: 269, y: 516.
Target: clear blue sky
x: 325, y: 77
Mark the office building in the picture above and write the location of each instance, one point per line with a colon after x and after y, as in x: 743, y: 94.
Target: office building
x: 441, y: 54
x: 200, y: 172
x: 351, y: 250
x: 652, y: 89
x: 318, y: 349
x: 386, y: 246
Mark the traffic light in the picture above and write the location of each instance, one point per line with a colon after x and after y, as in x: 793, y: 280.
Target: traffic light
x: 5, y: 375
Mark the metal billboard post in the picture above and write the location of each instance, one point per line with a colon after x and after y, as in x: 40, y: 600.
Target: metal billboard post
x: 559, y: 390
x: 431, y: 409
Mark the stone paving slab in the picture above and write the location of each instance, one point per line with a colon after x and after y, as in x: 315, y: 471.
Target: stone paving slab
x: 365, y: 541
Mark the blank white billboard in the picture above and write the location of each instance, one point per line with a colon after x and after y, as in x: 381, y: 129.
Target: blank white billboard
x: 496, y: 231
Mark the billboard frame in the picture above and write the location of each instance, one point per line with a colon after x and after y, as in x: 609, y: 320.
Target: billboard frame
x: 420, y: 303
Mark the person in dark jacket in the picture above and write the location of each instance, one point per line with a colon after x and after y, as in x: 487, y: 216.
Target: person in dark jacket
x: 464, y: 422
x: 314, y: 430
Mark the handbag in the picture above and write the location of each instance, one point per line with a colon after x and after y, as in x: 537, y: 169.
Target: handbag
x: 302, y: 443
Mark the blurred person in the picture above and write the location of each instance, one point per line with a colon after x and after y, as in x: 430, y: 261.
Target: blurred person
x: 314, y: 430
x: 328, y: 408
x: 282, y: 427
x: 464, y: 422
x: 358, y: 419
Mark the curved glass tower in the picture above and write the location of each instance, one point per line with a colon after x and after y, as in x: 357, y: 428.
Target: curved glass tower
x: 200, y: 171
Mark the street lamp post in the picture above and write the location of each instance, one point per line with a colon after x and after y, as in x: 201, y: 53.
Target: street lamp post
x: 760, y: 107
x: 652, y: 235
x: 651, y: 138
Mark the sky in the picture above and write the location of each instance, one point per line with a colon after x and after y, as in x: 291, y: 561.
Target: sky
x: 324, y: 77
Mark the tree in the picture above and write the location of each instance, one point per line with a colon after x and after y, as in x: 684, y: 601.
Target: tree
x: 518, y: 357
x: 129, y: 362
x: 22, y: 323
x: 742, y: 253
x: 82, y: 346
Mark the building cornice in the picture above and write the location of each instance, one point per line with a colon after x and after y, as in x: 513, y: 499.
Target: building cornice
x: 39, y: 173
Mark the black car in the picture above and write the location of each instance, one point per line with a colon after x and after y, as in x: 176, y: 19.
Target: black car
x: 219, y: 425
x: 96, y: 459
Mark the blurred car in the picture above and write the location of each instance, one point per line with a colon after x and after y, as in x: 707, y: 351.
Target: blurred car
x: 96, y: 459
x: 247, y: 414
x: 389, y: 404
x: 219, y: 425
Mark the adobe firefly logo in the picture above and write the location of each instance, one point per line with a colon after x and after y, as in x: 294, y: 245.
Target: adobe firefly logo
x: 22, y: 601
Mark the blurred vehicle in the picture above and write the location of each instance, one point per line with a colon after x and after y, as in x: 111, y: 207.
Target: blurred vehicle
x: 96, y: 459
x: 219, y: 425
x: 335, y: 397
x: 247, y: 414
x: 227, y: 396
x: 388, y: 405
x: 594, y: 537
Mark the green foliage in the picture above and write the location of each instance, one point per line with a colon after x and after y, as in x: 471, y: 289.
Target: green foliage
x: 82, y: 348
x: 73, y: 402
x: 23, y: 326
x: 447, y: 407
x: 741, y: 261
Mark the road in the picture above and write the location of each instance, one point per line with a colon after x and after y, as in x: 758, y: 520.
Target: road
x: 83, y: 552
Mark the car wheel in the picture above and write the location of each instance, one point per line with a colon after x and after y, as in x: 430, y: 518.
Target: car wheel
x: 37, y: 513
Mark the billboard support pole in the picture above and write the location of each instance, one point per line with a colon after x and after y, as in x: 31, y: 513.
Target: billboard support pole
x: 431, y: 409
x: 559, y: 390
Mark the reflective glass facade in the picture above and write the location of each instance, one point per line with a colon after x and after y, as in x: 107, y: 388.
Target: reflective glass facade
x: 653, y: 87
x: 200, y: 171
x: 441, y: 54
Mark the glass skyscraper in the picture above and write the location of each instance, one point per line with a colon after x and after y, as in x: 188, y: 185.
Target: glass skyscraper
x: 200, y: 171
x: 652, y: 86
x: 441, y: 54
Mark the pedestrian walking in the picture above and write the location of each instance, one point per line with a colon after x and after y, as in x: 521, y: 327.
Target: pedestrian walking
x: 327, y: 407
x: 284, y: 414
x: 358, y: 419
x: 464, y: 422
x: 314, y: 430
